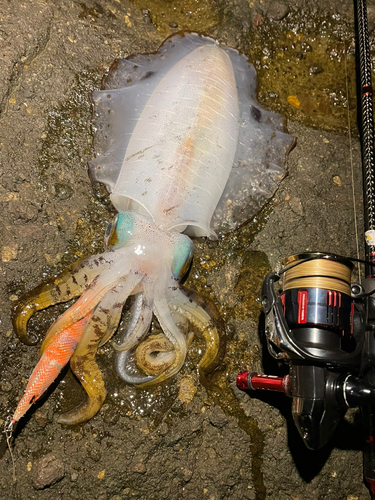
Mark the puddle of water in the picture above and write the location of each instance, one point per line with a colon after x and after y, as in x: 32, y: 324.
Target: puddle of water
x: 192, y: 15
x: 306, y: 70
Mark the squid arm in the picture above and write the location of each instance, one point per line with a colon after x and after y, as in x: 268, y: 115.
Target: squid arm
x: 139, y: 325
x: 161, y: 356
x: 203, y: 313
x: 83, y: 363
x: 71, y: 283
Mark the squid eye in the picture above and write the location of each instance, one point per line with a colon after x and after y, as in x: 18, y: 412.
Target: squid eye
x: 182, y: 257
x: 109, y: 237
x: 120, y: 230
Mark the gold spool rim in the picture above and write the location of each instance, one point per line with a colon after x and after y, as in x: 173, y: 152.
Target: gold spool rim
x: 317, y: 256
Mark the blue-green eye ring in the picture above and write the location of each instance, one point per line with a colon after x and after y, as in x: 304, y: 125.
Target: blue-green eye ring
x: 182, y: 257
x: 120, y: 230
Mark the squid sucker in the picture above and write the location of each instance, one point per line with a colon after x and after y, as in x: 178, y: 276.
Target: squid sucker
x: 184, y: 150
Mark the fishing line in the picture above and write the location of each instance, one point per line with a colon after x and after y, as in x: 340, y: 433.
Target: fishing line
x: 351, y: 162
x: 8, y: 431
x: 315, y: 276
x: 320, y: 273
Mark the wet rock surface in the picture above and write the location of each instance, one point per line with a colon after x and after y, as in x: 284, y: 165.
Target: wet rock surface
x: 47, y: 471
x: 278, y: 10
x: 209, y: 443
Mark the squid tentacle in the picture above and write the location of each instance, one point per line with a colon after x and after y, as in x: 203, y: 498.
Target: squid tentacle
x: 85, y: 368
x: 128, y: 370
x: 139, y: 326
x: 149, y: 356
x: 92, y: 296
x: 83, y: 363
x: 113, y: 321
x: 125, y: 360
x: 174, y: 335
x: 113, y: 317
x: 69, y: 284
x: 156, y: 356
x: 202, y: 313
x: 198, y: 310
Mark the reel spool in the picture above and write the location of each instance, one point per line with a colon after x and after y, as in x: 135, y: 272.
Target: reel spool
x: 317, y: 302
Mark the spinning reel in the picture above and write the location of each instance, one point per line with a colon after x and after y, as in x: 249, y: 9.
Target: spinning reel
x: 323, y: 325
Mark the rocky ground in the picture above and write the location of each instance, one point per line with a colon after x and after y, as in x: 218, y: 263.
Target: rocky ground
x: 150, y: 444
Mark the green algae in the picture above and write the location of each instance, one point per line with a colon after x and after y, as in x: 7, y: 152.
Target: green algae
x: 192, y: 15
x: 306, y: 69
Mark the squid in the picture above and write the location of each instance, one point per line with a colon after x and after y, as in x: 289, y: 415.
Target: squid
x: 184, y: 150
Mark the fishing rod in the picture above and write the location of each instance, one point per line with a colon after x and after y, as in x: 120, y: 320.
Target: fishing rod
x: 320, y: 323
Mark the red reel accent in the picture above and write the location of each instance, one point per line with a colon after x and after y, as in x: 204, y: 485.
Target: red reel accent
x: 253, y: 381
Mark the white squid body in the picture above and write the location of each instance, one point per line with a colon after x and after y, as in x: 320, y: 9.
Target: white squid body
x: 183, y: 147
x: 179, y: 155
